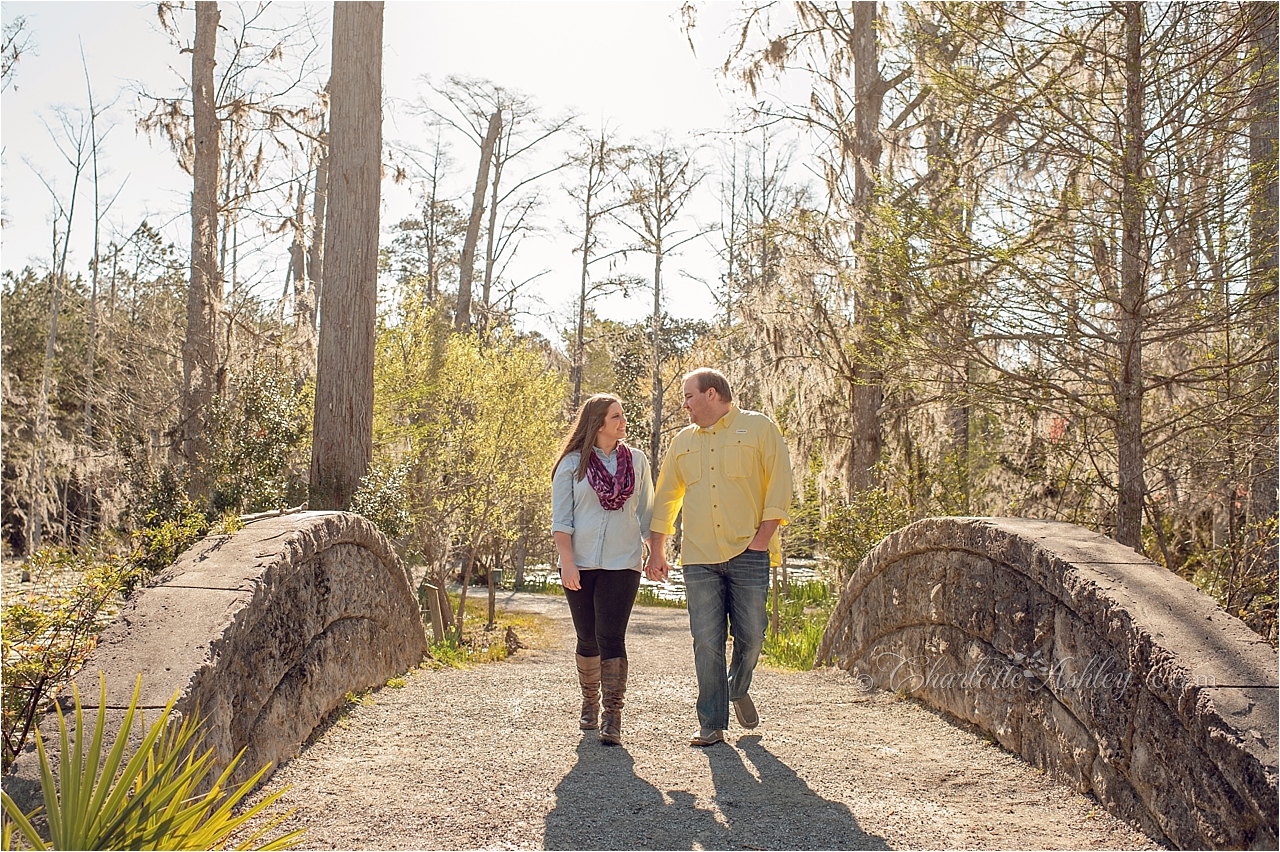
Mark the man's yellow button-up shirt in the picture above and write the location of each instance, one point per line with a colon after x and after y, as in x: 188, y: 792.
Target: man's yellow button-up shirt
x: 729, y: 478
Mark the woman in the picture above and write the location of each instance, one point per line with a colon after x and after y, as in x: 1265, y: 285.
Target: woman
x: 601, y: 501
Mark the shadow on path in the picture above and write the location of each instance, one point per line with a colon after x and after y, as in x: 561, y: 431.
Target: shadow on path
x: 773, y: 808
x: 603, y: 804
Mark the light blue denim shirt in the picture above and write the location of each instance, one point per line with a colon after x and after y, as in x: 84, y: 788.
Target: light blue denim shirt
x: 602, y: 539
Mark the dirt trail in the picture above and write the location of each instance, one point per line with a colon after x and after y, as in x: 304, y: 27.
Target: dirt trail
x: 492, y: 757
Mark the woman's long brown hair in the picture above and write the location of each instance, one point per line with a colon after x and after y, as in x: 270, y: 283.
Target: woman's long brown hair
x: 582, y: 436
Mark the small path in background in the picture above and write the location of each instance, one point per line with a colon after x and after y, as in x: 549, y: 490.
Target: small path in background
x: 491, y: 757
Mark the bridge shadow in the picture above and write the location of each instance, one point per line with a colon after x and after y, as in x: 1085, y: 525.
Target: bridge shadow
x: 603, y: 804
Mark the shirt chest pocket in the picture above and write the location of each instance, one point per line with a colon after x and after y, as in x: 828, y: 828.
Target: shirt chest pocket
x: 689, y: 465
x: 740, y: 460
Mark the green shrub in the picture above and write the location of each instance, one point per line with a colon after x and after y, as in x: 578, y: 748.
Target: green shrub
x: 48, y: 635
x: 256, y: 460
x: 850, y: 530
x: 382, y: 499
x: 150, y: 803
x: 257, y: 432
x: 162, y: 541
x: 155, y: 495
x: 1240, y: 575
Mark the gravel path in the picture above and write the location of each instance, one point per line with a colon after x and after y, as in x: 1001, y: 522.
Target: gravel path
x: 491, y: 757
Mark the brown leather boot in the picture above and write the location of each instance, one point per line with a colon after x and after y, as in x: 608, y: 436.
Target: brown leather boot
x: 613, y: 683
x: 589, y: 680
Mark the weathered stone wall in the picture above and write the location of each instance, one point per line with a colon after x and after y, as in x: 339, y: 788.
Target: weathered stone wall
x: 1085, y: 658
x: 265, y: 631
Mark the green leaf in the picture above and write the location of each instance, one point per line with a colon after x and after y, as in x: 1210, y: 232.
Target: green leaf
x: 149, y: 804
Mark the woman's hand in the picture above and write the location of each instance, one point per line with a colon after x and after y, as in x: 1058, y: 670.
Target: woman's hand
x: 656, y: 568
x: 569, y: 576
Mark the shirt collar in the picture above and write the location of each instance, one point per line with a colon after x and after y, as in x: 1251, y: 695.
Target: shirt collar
x: 602, y: 454
x: 723, y: 422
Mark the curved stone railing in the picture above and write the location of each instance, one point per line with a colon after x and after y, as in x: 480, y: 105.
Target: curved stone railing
x: 1083, y: 657
x: 264, y: 631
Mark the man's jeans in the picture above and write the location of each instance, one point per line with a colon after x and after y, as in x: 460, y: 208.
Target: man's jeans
x: 736, y: 591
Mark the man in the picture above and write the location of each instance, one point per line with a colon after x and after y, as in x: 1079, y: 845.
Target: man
x: 730, y: 471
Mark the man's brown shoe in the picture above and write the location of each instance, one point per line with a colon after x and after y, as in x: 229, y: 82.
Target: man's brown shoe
x: 706, y: 737
x: 744, y: 709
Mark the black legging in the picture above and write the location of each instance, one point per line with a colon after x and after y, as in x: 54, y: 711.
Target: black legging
x: 601, y: 610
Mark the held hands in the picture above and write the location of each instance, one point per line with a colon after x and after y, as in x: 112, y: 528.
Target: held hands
x: 657, y: 568
x: 569, y: 576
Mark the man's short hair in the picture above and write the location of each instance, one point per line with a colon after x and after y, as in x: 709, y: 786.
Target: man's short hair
x: 708, y: 378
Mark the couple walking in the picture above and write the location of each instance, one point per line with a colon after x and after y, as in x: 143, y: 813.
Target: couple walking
x: 730, y: 472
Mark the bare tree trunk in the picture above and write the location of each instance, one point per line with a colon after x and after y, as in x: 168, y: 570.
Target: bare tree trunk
x: 655, y: 395
x: 587, y: 222
x: 599, y: 159
x: 315, y: 257
x: 204, y: 296
x: 57, y: 281
x: 958, y: 417
x: 36, y: 536
x: 298, y: 262
x: 1129, y: 382
x: 343, y: 434
x: 579, y: 342
x: 466, y: 266
x: 90, y: 392
x: 520, y: 553
x: 730, y: 229
x: 867, y: 394
x: 466, y: 583
x: 491, y: 232
x: 1264, y: 202
x: 433, y: 227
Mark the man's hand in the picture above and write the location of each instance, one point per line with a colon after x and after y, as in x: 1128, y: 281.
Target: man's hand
x: 763, y: 534
x: 569, y: 576
x: 656, y: 568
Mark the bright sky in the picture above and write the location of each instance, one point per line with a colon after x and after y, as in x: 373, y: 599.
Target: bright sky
x: 628, y: 63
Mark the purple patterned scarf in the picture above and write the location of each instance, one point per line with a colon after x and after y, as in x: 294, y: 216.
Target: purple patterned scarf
x: 612, y: 489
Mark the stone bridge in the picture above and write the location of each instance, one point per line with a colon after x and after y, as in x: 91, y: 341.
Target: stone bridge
x: 1071, y: 650
x: 1083, y: 657
x: 264, y: 632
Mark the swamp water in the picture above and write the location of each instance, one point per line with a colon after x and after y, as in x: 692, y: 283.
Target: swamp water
x: 543, y: 575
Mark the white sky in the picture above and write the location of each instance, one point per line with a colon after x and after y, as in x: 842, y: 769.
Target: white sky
x: 625, y: 62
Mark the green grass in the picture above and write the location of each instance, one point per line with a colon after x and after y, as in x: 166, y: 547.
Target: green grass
x: 481, y: 644
x: 802, y: 617
x: 648, y: 596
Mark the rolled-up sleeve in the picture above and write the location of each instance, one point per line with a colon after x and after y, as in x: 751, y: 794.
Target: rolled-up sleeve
x: 562, y: 497
x: 777, y: 469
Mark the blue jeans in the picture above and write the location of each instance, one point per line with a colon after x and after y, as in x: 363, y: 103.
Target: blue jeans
x: 735, y: 595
